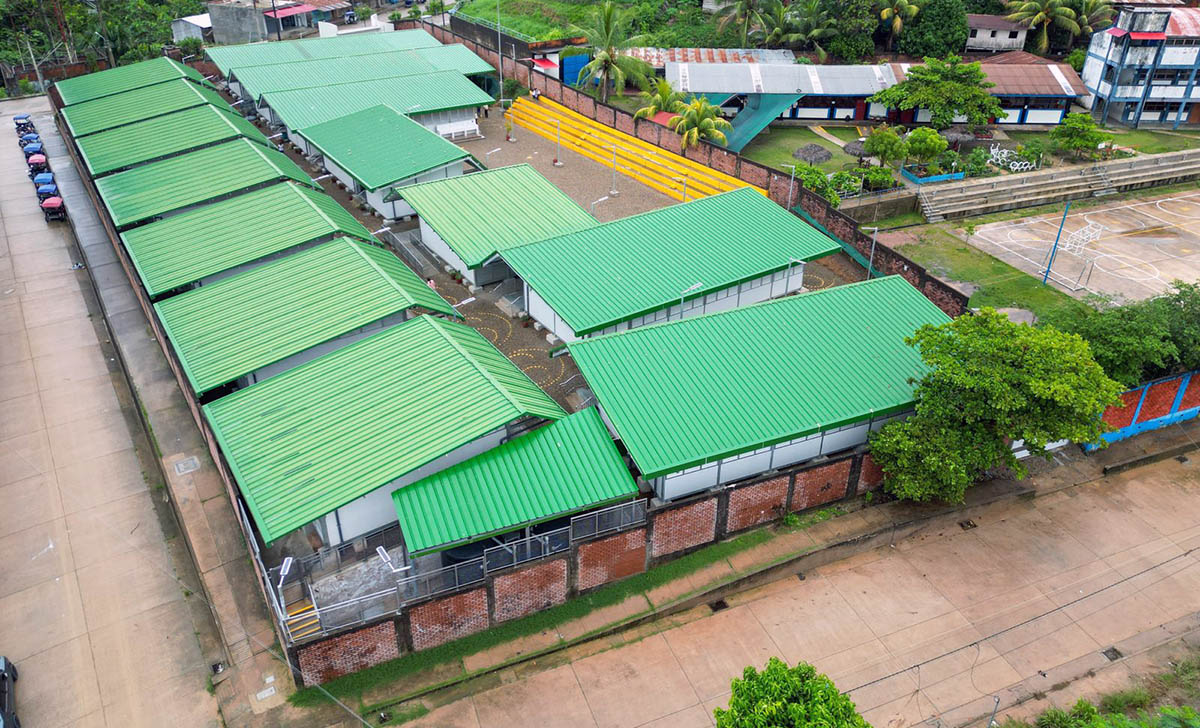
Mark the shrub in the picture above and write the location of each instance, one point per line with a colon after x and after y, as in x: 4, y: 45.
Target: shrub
x: 513, y: 88
x: 787, y: 697
x: 395, y: 16
x: 191, y: 46
x: 1076, y: 58
x: 926, y: 144
x: 845, y: 183
x: 949, y: 160
x: 26, y: 87
x: 976, y: 163
x: 363, y: 12
x: 878, y: 178
x: 933, y: 170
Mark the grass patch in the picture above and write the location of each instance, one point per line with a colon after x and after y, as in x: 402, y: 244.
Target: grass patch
x: 1000, y: 284
x: 356, y: 684
x: 1126, y: 701
x: 775, y: 145
x: 845, y: 133
x: 1145, y: 141
x: 895, y: 221
x: 401, y: 716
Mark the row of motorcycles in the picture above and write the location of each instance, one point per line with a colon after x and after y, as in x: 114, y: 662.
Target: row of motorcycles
x: 49, y: 199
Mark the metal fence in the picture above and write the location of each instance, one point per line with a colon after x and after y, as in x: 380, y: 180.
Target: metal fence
x: 608, y: 520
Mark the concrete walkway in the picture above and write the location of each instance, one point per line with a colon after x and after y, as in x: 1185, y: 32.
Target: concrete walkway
x: 93, y: 600
x: 1015, y: 604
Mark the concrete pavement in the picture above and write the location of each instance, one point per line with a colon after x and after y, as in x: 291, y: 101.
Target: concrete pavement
x: 1019, y: 604
x: 95, y: 603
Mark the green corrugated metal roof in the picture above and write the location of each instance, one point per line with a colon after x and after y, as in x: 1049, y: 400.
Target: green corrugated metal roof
x: 301, y: 108
x: 689, y: 392
x: 455, y: 57
x: 238, y: 325
x: 164, y: 136
x: 202, y: 242
x: 307, y: 49
x: 189, y: 179
x: 562, y: 468
x: 352, y: 143
x: 123, y: 78
x: 648, y: 259
x: 258, y: 80
x: 316, y: 437
x: 482, y: 213
x: 147, y: 102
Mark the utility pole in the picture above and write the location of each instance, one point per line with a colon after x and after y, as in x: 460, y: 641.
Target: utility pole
x: 62, y: 29
x: 112, y: 60
x: 36, y: 68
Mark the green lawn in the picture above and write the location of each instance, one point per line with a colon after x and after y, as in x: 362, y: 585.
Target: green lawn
x: 901, y: 220
x: 1143, y: 140
x: 845, y: 133
x: 775, y: 145
x: 1000, y: 284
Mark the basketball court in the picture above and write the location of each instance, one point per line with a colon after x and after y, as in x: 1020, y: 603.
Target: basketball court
x: 1129, y: 250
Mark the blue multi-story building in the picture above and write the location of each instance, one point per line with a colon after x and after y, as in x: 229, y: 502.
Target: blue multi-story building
x: 1145, y: 70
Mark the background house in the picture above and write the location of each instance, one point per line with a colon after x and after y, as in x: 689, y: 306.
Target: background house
x: 994, y: 33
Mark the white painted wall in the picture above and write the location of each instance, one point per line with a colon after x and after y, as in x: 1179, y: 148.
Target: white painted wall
x: 756, y: 462
x: 1043, y: 116
x: 1180, y: 55
x: 434, y: 244
x: 376, y: 509
x: 1013, y: 117
x: 754, y: 291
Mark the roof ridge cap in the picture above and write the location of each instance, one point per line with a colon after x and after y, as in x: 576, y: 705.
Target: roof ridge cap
x: 487, y: 374
x: 357, y: 247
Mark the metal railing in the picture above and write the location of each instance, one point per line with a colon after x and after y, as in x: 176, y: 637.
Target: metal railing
x: 608, y: 520
x: 491, y: 25
x: 494, y: 559
x: 333, y: 558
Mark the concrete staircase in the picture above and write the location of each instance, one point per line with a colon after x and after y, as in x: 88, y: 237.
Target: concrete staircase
x: 644, y: 162
x: 1011, y: 192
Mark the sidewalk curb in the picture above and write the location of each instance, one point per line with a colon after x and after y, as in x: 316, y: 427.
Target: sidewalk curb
x: 1147, y: 459
x: 796, y: 563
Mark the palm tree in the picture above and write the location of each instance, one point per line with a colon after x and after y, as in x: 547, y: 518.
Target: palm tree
x: 1041, y: 13
x: 895, y: 12
x: 1093, y: 15
x: 663, y: 98
x: 698, y: 120
x: 745, y: 15
x: 811, y: 24
x: 775, y: 26
x: 606, y: 38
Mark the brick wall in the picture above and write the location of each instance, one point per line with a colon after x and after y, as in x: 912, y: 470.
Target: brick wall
x: 758, y: 503
x: 530, y: 590
x: 610, y: 558
x: 1159, y: 399
x: 1191, y: 396
x: 820, y: 485
x: 870, y: 475
x: 681, y: 528
x: 348, y: 653
x: 449, y: 618
x: 1122, y: 415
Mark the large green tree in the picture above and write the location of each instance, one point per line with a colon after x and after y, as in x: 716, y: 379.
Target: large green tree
x: 886, y: 145
x: 607, y: 36
x: 812, y: 25
x: 946, y: 89
x: 989, y: 382
x: 939, y: 30
x: 1040, y: 15
x: 856, y: 24
x: 1079, y: 134
x: 787, y: 697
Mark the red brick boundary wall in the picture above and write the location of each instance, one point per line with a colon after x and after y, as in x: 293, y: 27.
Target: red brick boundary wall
x: 609, y: 559
x: 683, y: 527
x: 347, y: 653
x: 448, y: 618
x: 821, y: 485
x: 525, y: 591
x: 760, y: 503
x: 1153, y: 405
x: 840, y: 225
